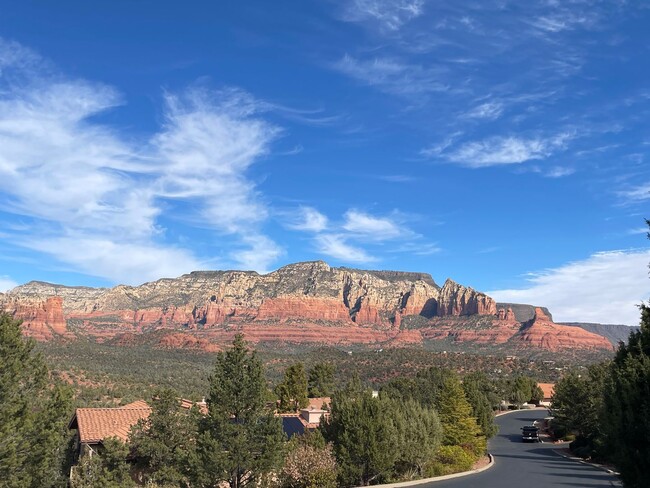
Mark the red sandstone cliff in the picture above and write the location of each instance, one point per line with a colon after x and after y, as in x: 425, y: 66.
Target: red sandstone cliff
x: 542, y: 333
x: 456, y: 300
x: 42, y: 319
x: 304, y: 302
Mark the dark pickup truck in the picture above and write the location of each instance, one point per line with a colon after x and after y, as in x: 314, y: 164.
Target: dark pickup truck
x: 530, y: 433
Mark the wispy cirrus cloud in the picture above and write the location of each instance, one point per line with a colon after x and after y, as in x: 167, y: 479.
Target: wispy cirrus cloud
x: 636, y: 193
x: 360, y: 237
x: 337, y: 247
x: 372, y: 227
x: 500, y: 150
x: 393, y: 75
x: 96, y: 199
x: 308, y: 219
x: 487, y: 110
x: 559, y: 172
x: 573, y: 292
x: 390, y: 15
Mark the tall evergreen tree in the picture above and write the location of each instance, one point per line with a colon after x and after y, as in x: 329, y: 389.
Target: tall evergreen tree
x: 292, y: 392
x: 458, y: 424
x: 240, y: 439
x: 364, y: 434
x: 476, y: 390
x: 321, y: 380
x: 33, y: 414
x: 627, y: 407
x: 420, y: 434
x: 626, y: 415
x: 164, y: 444
x: 107, y: 469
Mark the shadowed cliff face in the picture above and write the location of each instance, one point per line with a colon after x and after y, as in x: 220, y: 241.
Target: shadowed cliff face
x: 302, y: 302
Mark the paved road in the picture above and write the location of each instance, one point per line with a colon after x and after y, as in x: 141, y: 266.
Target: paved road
x: 527, y: 465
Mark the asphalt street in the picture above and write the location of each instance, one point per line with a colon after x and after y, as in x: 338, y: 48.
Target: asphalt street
x: 530, y: 465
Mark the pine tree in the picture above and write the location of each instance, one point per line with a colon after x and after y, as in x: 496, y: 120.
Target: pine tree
x: 321, y: 380
x: 363, y: 432
x: 420, y: 434
x: 292, y: 392
x: 627, y: 407
x: 458, y: 424
x: 474, y: 387
x: 106, y: 469
x: 164, y: 444
x: 33, y: 414
x: 626, y: 413
x: 240, y: 439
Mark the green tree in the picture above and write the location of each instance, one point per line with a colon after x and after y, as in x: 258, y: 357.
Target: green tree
x: 240, y: 439
x: 164, y: 444
x: 292, y: 392
x: 524, y: 389
x: 321, y: 380
x: 33, y: 414
x: 458, y: 425
x: 627, y: 407
x: 577, y: 401
x: 480, y: 396
x: 420, y: 433
x: 364, y: 435
x: 106, y: 469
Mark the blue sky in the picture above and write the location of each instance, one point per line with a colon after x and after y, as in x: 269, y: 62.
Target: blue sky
x: 500, y: 143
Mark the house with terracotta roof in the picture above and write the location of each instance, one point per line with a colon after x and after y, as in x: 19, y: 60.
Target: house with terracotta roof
x: 547, y: 388
x: 93, y: 425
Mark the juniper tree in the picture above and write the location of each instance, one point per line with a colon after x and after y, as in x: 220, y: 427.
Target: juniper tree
x: 240, y: 440
x: 626, y: 417
x: 321, y: 380
x: 292, y: 392
x: 34, y: 412
x: 164, y: 444
x: 363, y: 432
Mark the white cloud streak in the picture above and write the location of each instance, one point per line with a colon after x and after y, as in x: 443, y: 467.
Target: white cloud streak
x: 335, y: 245
x: 604, y: 288
x: 487, y: 111
x: 371, y: 227
x: 506, y: 150
x: 637, y: 193
x: 97, y: 198
x: 393, y: 76
x: 390, y: 15
x: 308, y: 219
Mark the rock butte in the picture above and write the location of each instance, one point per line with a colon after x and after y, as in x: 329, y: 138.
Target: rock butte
x: 307, y: 302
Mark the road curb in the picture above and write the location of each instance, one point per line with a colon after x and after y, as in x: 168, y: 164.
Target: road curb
x: 520, y: 410
x: 438, y: 478
x: 582, y: 461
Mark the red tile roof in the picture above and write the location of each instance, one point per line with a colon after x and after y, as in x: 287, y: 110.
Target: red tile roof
x: 547, y: 388
x: 96, y: 424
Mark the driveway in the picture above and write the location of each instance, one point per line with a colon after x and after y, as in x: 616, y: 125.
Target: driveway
x: 530, y: 465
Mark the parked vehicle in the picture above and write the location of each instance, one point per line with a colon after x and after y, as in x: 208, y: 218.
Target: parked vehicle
x: 530, y: 433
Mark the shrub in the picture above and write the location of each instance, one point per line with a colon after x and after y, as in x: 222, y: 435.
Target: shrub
x: 307, y: 466
x: 450, y: 459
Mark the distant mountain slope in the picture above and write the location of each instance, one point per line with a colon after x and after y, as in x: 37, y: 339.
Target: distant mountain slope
x: 308, y: 302
x: 615, y: 333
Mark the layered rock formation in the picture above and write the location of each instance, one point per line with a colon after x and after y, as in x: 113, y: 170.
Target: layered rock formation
x: 304, y: 302
x: 542, y: 333
x: 42, y: 319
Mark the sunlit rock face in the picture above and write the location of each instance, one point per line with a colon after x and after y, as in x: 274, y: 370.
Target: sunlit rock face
x: 308, y: 302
